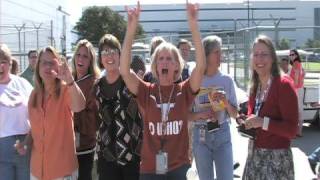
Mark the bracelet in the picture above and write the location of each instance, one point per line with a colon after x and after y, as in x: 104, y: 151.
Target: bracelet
x: 266, y: 121
x: 71, y: 83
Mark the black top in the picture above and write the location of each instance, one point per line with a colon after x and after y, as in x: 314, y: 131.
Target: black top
x: 120, y: 132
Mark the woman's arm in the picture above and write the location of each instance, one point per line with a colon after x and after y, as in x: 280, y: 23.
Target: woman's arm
x: 195, y: 116
x: 78, y: 101
x: 198, y: 71
x: 129, y: 77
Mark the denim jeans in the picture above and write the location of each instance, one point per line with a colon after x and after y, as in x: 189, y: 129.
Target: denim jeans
x: 217, y: 149
x: 12, y: 165
x: 177, y: 174
x: 315, y: 156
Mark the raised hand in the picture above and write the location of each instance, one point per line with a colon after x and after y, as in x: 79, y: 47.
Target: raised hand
x: 192, y: 11
x: 64, y: 72
x: 198, y: 71
x: 133, y: 15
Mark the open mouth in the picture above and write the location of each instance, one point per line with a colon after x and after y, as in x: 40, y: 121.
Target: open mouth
x: 260, y: 65
x: 164, y: 71
x: 80, y: 65
x: 110, y: 62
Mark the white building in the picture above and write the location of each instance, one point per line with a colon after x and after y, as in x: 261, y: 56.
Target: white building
x: 297, y: 19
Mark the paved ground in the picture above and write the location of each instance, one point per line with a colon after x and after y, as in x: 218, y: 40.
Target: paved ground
x: 301, y: 147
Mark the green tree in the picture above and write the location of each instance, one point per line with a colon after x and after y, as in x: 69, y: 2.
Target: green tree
x: 284, y: 44
x: 313, y: 44
x: 97, y: 21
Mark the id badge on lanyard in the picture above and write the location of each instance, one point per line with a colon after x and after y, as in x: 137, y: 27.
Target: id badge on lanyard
x: 162, y: 156
x: 161, y: 162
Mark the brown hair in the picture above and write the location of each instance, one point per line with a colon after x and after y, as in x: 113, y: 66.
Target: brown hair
x: 93, y: 68
x: 184, y: 41
x: 155, y: 42
x: 295, y: 51
x: 32, y: 51
x: 14, y: 66
x: 110, y: 41
x: 275, y: 70
x: 39, y: 84
x: 137, y: 64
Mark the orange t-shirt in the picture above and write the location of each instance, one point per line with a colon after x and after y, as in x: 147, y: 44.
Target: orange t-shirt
x: 53, y: 150
x: 176, y: 141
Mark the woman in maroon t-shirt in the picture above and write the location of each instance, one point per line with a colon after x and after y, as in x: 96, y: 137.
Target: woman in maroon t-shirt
x: 166, y: 104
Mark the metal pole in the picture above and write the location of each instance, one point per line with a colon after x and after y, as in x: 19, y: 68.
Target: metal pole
x: 64, y: 33
x: 37, y: 31
x: 51, y: 32
x: 37, y: 38
x: 235, y: 51
x: 228, y: 40
x: 248, y: 6
x: 24, y: 44
x: 19, y: 36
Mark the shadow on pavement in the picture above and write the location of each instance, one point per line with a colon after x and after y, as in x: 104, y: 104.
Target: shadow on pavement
x: 310, y: 139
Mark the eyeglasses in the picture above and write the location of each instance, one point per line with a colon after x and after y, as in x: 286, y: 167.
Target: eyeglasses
x: 262, y: 55
x: 33, y: 57
x: 109, y: 52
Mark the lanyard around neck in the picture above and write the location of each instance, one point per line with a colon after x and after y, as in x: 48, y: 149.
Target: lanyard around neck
x: 166, y: 113
x: 261, y: 96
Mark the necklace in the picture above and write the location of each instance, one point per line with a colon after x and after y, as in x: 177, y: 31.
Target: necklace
x: 165, y: 112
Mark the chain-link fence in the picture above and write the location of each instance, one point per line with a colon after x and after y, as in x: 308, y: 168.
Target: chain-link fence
x: 237, y: 46
x: 20, y: 39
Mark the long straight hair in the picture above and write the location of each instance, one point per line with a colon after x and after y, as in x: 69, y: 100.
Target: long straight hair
x: 275, y: 70
x: 39, y: 84
x: 93, y: 67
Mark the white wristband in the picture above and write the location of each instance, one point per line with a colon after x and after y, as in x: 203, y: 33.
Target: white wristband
x: 266, y: 121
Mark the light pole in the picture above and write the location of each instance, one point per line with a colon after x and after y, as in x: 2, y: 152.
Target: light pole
x: 248, y: 12
x: 64, y: 31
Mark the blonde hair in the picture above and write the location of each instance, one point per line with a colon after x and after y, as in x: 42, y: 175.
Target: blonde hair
x: 39, y: 84
x: 5, y: 52
x: 275, y: 70
x: 93, y: 68
x: 173, y: 50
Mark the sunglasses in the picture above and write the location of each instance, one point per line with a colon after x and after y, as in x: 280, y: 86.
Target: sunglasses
x: 292, y: 54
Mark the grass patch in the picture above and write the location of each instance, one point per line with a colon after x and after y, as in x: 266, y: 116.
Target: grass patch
x: 311, y: 66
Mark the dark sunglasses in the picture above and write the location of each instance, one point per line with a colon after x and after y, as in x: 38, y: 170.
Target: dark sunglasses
x: 292, y: 54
